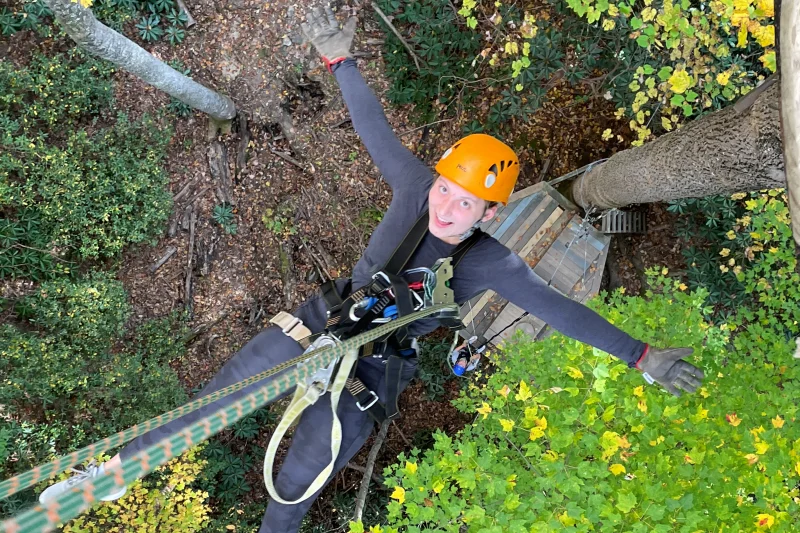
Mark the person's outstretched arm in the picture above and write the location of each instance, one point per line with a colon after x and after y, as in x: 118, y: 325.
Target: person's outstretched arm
x: 398, y: 165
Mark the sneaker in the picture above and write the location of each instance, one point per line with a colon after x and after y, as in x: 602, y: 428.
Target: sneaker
x: 92, y: 471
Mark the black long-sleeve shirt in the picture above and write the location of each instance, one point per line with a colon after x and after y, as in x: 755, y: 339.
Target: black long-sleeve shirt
x: 488, y: 265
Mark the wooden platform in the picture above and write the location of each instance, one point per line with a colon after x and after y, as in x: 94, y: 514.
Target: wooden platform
x: 543, y: 227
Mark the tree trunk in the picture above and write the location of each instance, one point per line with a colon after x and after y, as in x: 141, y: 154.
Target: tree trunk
x: 733, y: 150
x: 789, y: 57
x: 102, y: 41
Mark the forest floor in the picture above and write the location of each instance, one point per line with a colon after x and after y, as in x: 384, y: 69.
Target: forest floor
x: 305, y: 193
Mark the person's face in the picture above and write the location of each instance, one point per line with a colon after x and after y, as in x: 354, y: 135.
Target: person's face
x: 452, y: 210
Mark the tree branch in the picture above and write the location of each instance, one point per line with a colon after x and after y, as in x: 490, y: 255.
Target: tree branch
x: 361, y: 498
x: 397, y: 33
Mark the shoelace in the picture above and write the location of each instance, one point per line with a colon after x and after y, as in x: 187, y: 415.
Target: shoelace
x: 82, y: 475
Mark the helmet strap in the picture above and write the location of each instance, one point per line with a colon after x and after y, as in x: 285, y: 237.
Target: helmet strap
x: 467, y: 234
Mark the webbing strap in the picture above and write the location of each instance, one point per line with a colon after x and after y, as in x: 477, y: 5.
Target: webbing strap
x: 305, y: 396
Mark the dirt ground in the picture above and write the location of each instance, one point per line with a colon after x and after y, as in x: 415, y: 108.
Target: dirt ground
x: 305, y: 193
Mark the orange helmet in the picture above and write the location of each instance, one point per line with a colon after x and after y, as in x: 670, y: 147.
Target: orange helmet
x: 483, y: 165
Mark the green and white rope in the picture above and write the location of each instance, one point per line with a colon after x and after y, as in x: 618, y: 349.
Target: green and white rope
x: 44, y: 518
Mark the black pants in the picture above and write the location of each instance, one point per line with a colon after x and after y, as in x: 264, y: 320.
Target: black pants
x: 310, y: 449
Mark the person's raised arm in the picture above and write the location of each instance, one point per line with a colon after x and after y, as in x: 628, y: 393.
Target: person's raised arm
x: 516, y: 282
x: 397, y: 164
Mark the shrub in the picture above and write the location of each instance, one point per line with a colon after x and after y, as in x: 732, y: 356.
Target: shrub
x: 66, y: 193
x: 163, y: 501
x: 568, y: 437
x: 75, y: 379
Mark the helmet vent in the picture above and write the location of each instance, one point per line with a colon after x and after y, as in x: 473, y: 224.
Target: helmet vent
x: 493, y: 169
x: 502, y: 165
x: 447, y: 152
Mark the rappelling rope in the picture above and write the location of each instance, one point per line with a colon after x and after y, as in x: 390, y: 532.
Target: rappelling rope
x: 44, y: 518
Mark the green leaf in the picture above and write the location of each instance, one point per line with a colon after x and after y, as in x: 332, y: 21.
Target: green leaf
x: 636, y: 23
x: 626, y: 502
x: 643, y: 41
x: 677, y: 100
x: 665, y: 73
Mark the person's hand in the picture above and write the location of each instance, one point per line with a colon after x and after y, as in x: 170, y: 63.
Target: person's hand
x: 668, y: 368
x: 322, y: 30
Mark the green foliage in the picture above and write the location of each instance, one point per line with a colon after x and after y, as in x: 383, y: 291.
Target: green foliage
x: 70, y: 377
x: 223, y: 215
x: 164, y: 501
x: 681, y: 58
x: 149, y: 29
x: 30, y: 15
x: 445, y: 48
x: 280, y: 221
x: 433, y: 369
x: 34, y: 15
x: 75, y: 195
x: 570, y: 438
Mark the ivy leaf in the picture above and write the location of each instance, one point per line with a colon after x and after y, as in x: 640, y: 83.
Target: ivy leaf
x: 636, y: 23
x: 626, y: 502
x: 524, y: 392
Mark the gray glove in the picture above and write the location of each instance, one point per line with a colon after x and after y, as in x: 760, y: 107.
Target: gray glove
x: 322, y: 30
x: 667, y: 367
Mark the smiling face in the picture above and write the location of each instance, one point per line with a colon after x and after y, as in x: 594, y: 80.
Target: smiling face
x: 452, y: 210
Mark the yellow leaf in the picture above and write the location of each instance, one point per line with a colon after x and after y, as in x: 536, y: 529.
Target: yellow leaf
x: 778, y: 422
x: 724, y: 77
x: 607, y: 134
x: 648, y: 14
x: 438, y: 486
x: 484, y: 409
x: 524, y: 392
x: 764, y: 521
x: 616, y: 469
x: 761, y: 447
x: 609, y: 24
x: 399, y: 494
x: 566, y: 520
x: 642, y: 405
x: 229, y: 527
x: 550, y: 456
x: 541, y: 423
x: 666, y: 124
x: 504, y: 391
x: 376, y: 529
x: 751, y: 458
x: 638, y: 429
x: 507, y: 424
x: 536, y: 433
x: 767, y: 7
x: 574, y: 372
x: 411, y: 468
x: 797, y: 468
x: 638, y: 391
x: 680, y: 81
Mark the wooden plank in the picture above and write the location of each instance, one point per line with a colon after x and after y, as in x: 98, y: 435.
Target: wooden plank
x: 556, y: 274
x: 503, y: 213
x: 530, y: 325
x: 493, y: 309
x: 544, y: 236
x: 518, y: 210
x: 476, y: 308
x: 527, y: 191
x: 532, y: 225
x: 526, y: 220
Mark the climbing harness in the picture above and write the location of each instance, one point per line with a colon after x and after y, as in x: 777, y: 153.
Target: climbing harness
x: 388, y: 297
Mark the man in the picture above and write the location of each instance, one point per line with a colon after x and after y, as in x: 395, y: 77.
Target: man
x: 474, y: 176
